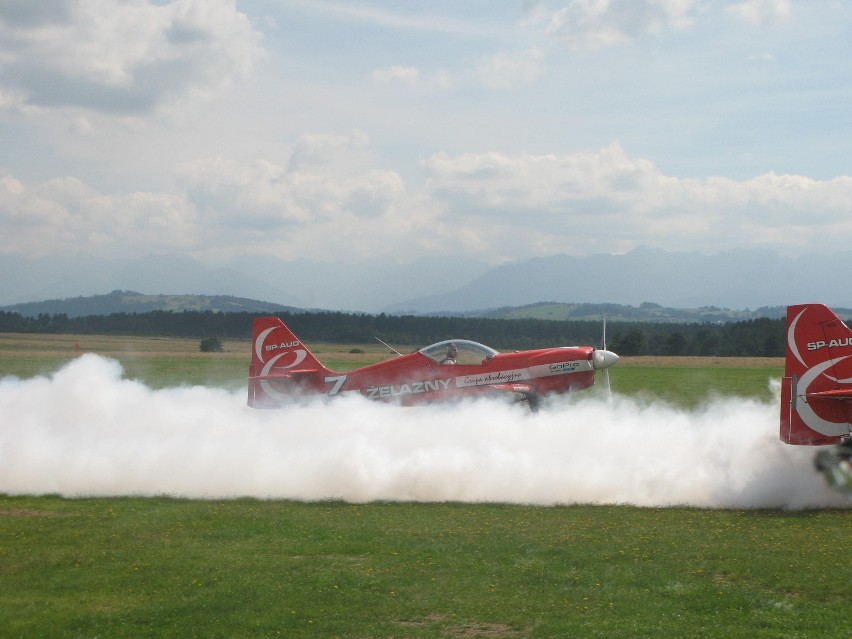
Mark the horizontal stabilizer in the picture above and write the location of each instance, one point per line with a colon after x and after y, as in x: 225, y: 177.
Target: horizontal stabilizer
x: 839, y: 394
x: 289, y: 373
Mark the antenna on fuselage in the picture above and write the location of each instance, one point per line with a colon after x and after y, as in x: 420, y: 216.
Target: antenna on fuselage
x: 389, y: 346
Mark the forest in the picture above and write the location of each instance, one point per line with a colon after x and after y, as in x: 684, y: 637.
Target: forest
x: 751, y: 338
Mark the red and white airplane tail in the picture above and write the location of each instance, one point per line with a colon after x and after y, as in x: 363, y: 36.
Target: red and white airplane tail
x: 816, y: 392
x: 281, y: 365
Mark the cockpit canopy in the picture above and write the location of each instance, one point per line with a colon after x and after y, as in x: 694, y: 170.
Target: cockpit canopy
x: 468, y: 352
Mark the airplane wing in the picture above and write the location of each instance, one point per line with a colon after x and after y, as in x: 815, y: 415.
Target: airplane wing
x: 285, y: 375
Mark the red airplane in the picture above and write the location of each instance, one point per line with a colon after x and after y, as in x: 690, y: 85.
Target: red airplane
x: 816, y: 391
x: 282, y: 368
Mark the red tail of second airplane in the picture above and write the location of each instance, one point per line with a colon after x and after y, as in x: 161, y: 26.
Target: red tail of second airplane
x: 816, y: 392
x: 281, y: 365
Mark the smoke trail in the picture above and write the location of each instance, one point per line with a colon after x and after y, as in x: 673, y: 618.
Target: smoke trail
x: 87, y: 431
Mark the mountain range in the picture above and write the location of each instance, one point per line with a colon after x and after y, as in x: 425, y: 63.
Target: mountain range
x: 130, y: 302
x: 737, y: 279
x: 133, y: 302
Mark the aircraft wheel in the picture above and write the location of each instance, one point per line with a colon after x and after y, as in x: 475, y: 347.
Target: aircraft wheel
x: 533, y: 401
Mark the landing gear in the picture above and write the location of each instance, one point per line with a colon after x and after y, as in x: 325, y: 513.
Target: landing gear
x: 533, y: 401
x: 836, y: 465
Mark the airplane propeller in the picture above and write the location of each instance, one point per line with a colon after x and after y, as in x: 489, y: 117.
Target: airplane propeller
x: 603, y: 359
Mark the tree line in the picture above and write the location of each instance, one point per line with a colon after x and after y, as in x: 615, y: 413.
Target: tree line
x: 750, y: 338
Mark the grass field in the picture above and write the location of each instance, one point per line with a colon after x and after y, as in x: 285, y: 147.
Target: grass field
x: 162, y: 567
x: 243, y: 568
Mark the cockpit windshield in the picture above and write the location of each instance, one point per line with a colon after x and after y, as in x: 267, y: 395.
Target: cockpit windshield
x: 458, y: 351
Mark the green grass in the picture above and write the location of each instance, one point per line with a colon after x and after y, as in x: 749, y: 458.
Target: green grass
x: 244, y: 568
x: 692, y: 386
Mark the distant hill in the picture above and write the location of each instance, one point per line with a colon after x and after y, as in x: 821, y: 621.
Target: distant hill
x: 365, y: 287
x: 132, y: 302
x: 646, y: 312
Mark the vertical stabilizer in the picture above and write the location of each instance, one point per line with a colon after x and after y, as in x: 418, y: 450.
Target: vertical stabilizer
x: 280, y: 364
x: 816, y: 392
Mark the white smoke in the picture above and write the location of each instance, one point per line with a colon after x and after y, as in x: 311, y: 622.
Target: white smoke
x: 87, y: 431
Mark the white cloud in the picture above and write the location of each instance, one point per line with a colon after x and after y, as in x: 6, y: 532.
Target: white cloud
x: 539, y: 182
x: 311, y: 212
x: 65, y: 215
x: 395, y: 20
x: 267, y: 196
x: 14, y: 101
x: 225, y: 206
x: 766, y: 58
x: 608, y: 198
x: 316, y: 148
x: 761, y: 11
x: 489, y: 205
x: 508, y: 71
x: 257, y: 196
x: 593, y: 24
x: 124, y: 56
x: 412, y: 77
x: 405, y: 75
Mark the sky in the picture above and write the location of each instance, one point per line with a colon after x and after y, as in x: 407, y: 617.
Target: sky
x: 342, y: 131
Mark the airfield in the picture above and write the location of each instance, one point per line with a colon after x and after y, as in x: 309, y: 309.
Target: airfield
x: 139, y: 496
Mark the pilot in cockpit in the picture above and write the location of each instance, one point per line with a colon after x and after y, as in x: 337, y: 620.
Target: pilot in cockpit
x: 452, y: 354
